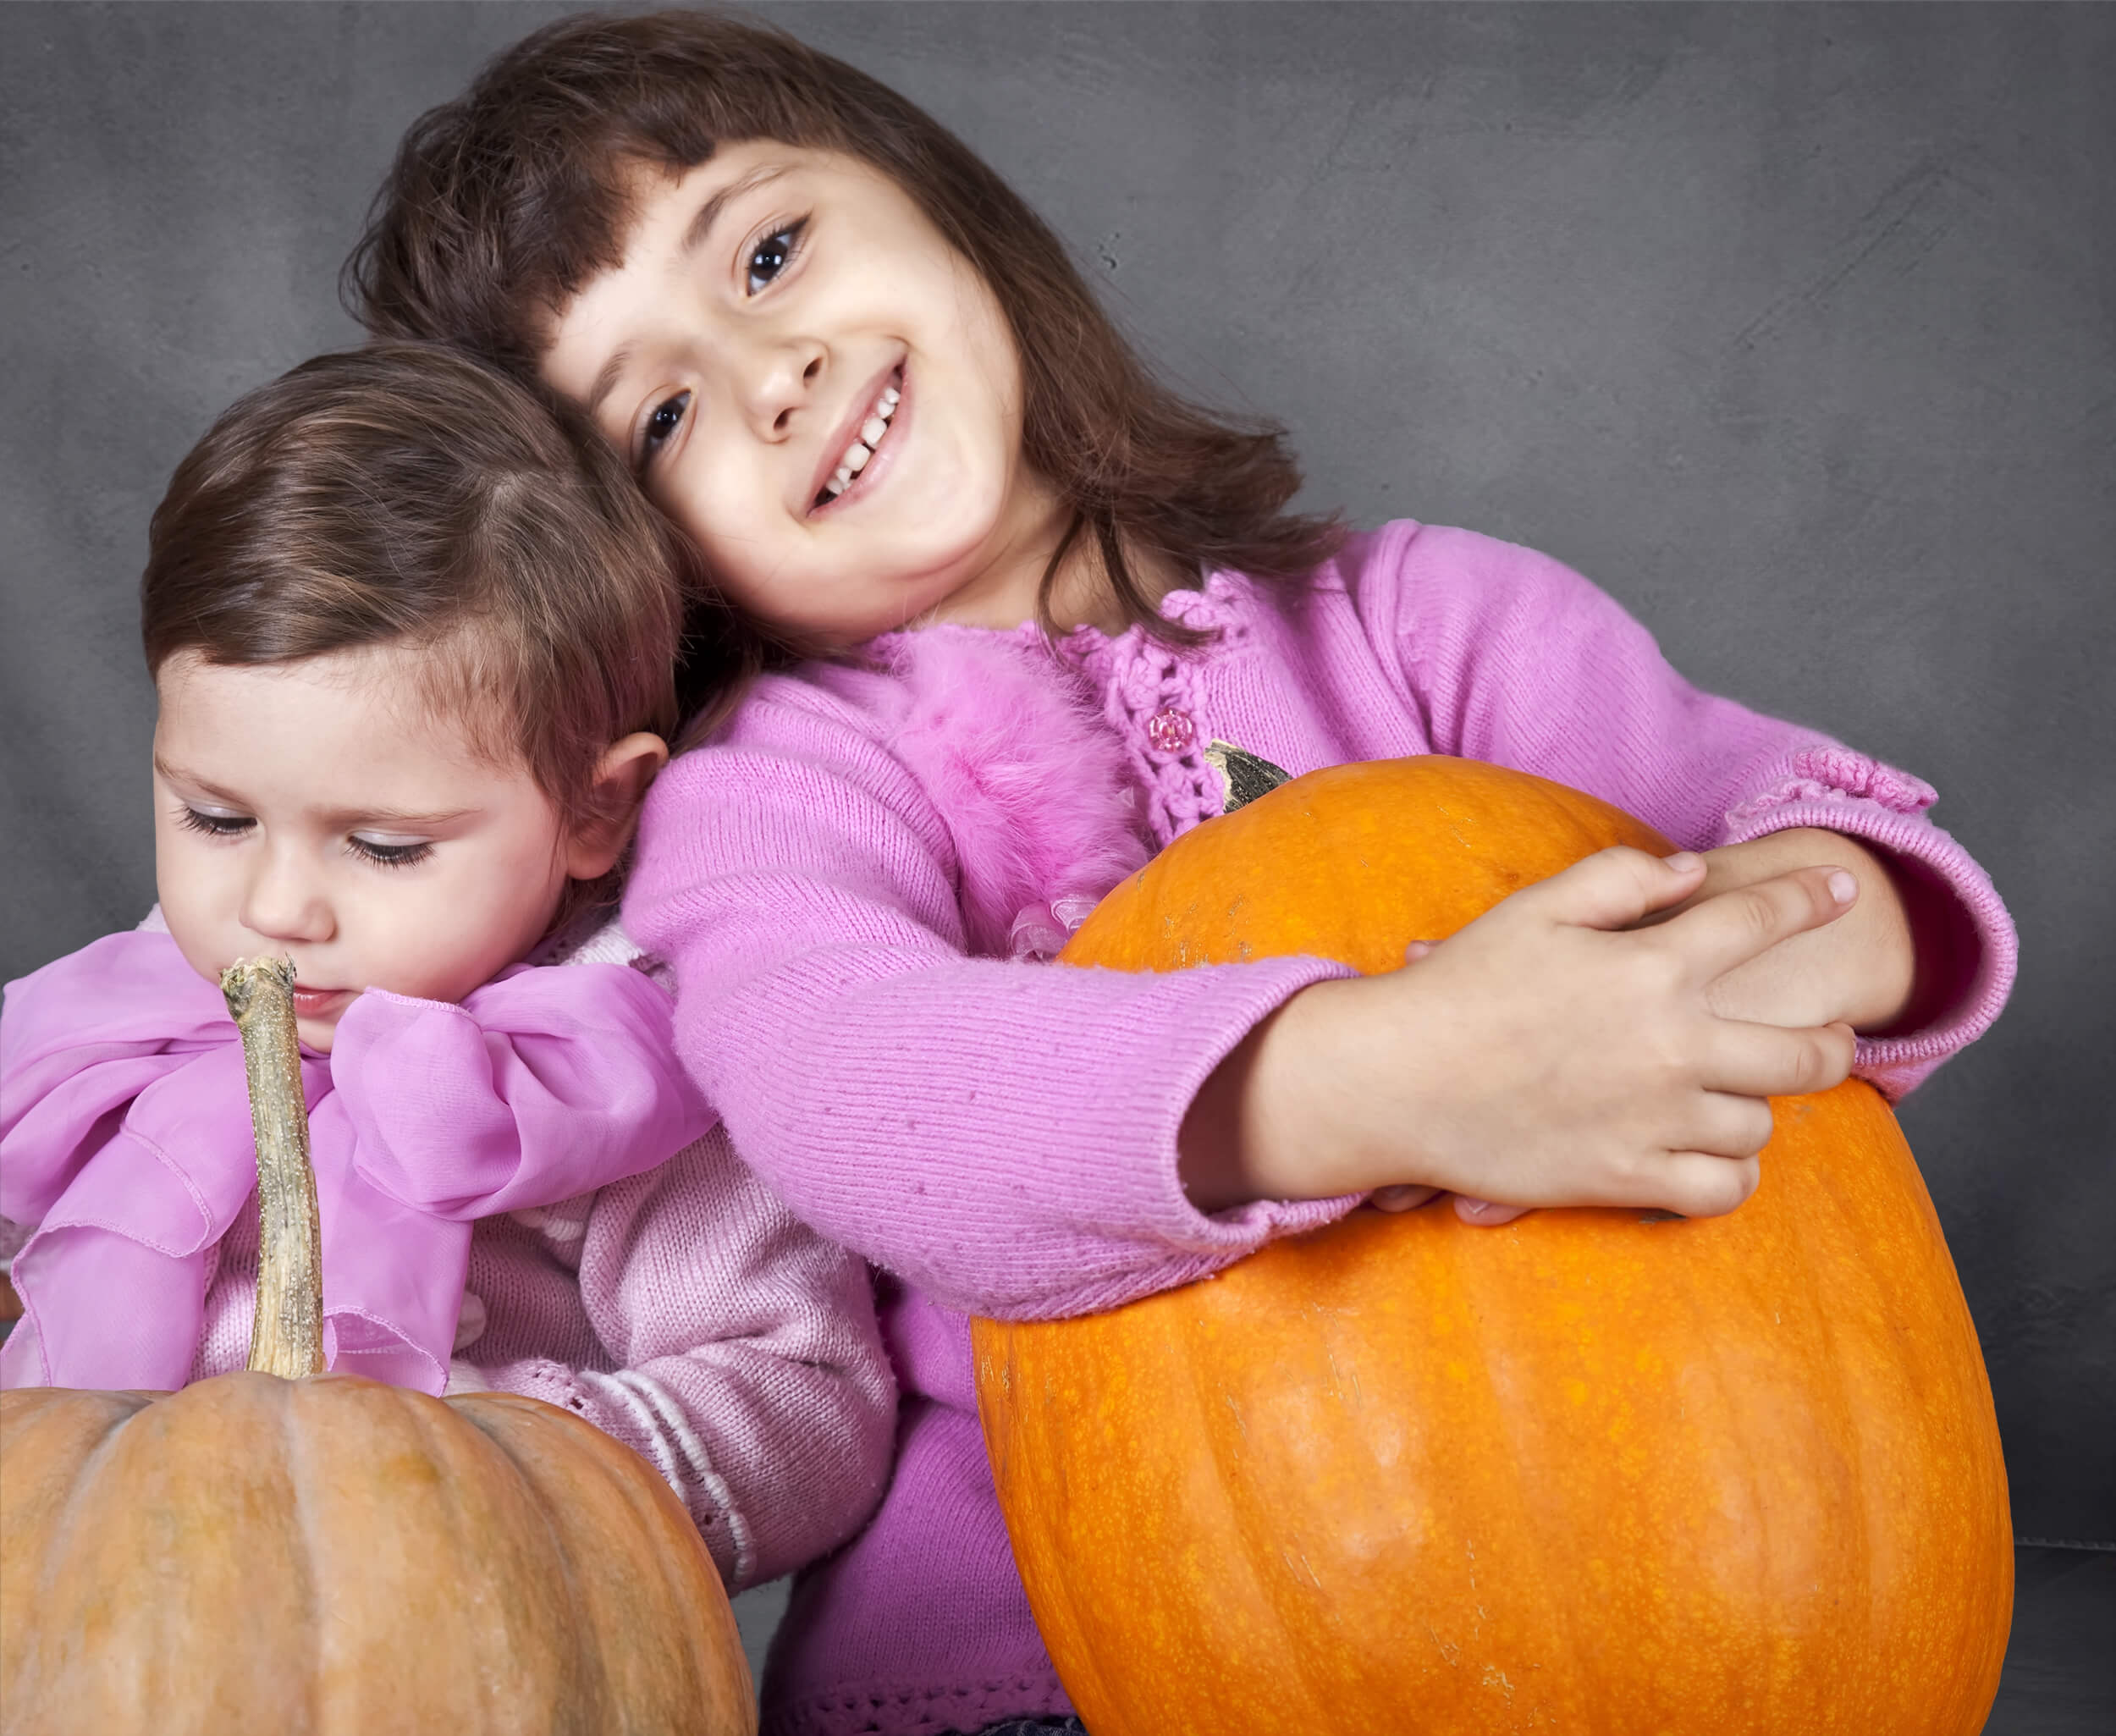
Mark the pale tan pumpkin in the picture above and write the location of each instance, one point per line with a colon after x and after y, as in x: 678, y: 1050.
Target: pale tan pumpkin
x: 1603, y: 1473
x: 328, y: 1554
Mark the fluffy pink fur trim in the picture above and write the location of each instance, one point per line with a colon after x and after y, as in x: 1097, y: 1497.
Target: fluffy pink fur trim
x: 1032, y: 784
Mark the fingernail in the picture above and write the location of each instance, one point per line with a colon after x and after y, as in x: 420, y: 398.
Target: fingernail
x: 1843, y: 885
x: 1682, y: 862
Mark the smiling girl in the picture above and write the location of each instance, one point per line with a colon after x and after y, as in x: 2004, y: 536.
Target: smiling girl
x: 413, y: 638
x: 1031, y: 616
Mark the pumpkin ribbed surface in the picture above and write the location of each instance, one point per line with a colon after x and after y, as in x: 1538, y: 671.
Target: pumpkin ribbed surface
x: 333, y: 1556
x: 1604, y: 1473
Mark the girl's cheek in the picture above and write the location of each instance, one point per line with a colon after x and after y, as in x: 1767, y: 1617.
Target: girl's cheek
x: 713, y: 516
x: 677, y: 502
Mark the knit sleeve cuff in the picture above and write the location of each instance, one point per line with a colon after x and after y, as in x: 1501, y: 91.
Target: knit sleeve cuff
x: 631, y: 1410
x: 1175, y: 1242
x: 1219, y: 1238
x: 1966, y: 942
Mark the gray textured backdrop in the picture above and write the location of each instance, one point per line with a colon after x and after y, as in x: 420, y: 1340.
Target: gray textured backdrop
x: 1795, y: 327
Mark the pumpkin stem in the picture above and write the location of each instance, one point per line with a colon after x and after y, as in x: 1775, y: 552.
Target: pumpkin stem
x: 286, y: 1335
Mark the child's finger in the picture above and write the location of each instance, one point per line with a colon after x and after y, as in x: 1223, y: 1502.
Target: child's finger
x: 1486, y: 1214
x: 1613, y: 888
x: 1721, y: 1124
x: 1405, y: 1196
x: 1775, y: 1061
x: 1715, y: 936
x: 1698, y: 1184
x: 1416, y: 950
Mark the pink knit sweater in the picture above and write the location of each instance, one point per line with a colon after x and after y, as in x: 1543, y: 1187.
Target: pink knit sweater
x: 852, y: 882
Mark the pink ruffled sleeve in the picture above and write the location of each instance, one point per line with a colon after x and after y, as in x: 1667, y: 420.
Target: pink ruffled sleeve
x: 1516, y: 659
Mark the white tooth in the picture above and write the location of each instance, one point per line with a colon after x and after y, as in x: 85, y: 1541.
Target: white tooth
x: 873, y: 429
x: 836, y: 486
x: 889, y: 395
x: 856, y: 460
x: 841, y: 475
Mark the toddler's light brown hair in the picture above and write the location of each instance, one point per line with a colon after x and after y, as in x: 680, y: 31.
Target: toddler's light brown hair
x: 407, y: 494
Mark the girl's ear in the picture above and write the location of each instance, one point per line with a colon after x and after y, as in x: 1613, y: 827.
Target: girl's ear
x: 627, y: 766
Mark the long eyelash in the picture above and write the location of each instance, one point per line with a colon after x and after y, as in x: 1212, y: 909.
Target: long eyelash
x: 393, y: 856
x: 794, y: 228
x: 213, y: 825
x: 380, y: 855
x: 647, y: 453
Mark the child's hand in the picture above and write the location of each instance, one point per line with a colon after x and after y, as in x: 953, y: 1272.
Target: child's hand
x: 1484, y: 1213
x: 1858, y: 971
x: 1409, y: 1196
x: 1551, y: 1053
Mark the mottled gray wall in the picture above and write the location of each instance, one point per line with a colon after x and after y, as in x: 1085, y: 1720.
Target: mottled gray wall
x: 1792, y: 326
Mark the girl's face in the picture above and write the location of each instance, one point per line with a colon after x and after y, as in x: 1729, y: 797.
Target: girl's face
x: 809, y: 380
x: 319, y: 809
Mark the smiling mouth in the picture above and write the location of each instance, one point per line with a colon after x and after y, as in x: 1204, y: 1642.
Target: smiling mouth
x: 872, y: 430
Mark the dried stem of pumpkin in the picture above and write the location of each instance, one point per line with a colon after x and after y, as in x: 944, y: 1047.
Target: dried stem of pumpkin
x: 286, y: 1337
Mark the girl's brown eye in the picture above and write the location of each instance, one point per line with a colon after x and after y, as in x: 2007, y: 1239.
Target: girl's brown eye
x: 769, y: 257
x: 666, y: 417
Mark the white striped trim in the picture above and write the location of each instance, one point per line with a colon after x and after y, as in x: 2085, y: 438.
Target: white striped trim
x: 676, y: 1451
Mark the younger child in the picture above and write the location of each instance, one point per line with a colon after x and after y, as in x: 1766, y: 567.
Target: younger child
x: 1040, y: 598
x: 413, y: 637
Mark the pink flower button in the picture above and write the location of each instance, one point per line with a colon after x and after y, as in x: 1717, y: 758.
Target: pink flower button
x: 1170, y: 731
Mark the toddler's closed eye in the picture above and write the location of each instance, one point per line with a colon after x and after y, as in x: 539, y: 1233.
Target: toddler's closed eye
x: 383, y: 855
x: 214, y: 825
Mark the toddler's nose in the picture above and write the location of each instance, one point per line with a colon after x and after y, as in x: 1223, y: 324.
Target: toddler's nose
x: 285, y: 900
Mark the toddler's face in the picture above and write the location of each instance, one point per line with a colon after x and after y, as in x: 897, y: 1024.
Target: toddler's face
x: 319, y: 809
x: 815, y: 386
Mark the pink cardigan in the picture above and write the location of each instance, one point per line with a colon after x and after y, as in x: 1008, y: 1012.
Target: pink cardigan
x: 674, y: 1303
x: 851, y: 883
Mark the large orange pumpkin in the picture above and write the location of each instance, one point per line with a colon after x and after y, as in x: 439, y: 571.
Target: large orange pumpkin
x: 1597, y: 1471
x: 326, y: 1553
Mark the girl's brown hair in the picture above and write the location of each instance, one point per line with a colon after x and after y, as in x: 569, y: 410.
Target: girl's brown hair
x: 503, y: 204
x: 406, y: 494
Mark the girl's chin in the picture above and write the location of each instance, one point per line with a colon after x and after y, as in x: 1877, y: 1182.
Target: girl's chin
x: 999, y: 602
x: 905, y: 605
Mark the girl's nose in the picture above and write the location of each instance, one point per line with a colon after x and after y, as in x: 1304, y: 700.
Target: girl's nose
x: 285, y: 900
x: 781, y: 378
